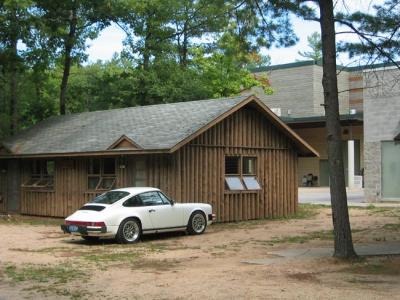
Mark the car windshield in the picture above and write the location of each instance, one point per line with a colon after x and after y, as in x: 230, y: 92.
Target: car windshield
x: 110, y: 197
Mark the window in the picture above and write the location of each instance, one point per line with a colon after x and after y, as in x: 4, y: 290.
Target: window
x: 134, y: 201
x: 41, y: 174
x: 140, y: 172
x: 232, y: 165
x: 240, y: 173
x: 234, y: 183
x: 101, y: 174
x: 249, y: 165
x: 151, y: 198
x: 164, y: 198
x: 110, y: 197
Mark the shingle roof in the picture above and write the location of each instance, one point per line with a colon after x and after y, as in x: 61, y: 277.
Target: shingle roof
x: 151, y: 128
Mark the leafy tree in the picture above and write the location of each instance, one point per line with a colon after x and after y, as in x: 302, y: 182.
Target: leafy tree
x: 379, y: 33
x: 14, y: 27
x: 314, y: 42
x: 70, y: 24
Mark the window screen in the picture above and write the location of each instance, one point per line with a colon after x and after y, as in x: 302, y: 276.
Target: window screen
x: 232, y: 165
x: 251, y: 183
x: 109, y: 166
x: 234, y: 183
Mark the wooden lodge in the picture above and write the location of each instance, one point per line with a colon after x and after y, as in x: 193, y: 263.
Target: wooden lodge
x: 233, y: 153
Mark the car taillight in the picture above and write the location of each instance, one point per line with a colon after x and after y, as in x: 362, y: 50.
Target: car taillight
x: 81, y: 223
x: 98, y: 224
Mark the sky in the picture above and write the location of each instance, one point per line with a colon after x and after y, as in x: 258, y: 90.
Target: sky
x: 110, y: 39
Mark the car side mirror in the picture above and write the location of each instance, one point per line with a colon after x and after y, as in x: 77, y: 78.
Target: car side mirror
x: 172, y: 202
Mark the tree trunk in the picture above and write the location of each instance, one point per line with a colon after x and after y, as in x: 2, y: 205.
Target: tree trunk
x: 13, y: 87
x: 340, y: 214
x: 69, y: 44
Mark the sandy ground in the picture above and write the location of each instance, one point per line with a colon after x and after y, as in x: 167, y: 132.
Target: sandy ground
x: 37, y: 261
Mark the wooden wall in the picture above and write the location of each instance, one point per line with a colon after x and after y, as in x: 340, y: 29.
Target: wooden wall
x: 194, y: 173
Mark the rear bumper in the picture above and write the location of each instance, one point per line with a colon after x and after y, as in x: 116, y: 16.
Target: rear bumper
x: 85, y: 230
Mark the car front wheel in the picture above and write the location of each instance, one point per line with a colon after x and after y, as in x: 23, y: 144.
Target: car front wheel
x: 129, y: 231
x: 197, y: 223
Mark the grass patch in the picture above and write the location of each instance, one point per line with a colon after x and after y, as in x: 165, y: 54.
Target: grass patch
x: 29, y: 220
x: 300, y: 239
x: 60, y: 274
x: 393, y: 227
x: 305, y: 211
x: 376, y: 266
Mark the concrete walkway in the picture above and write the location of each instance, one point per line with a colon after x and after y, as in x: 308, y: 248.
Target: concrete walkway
x: 389, y: 248
x: 355, y: 197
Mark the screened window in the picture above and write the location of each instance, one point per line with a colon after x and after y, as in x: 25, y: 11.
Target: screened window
x: 101, y: 174
x: 232, y: 164
x: 41, y: 174
x: 240, y: 173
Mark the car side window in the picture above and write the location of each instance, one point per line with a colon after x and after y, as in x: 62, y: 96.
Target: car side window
x: 151, y: 198
x: 164, y: 198
x: 134, y: 201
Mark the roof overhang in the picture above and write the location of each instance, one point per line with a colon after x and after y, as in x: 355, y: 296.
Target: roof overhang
x: 320, y: 121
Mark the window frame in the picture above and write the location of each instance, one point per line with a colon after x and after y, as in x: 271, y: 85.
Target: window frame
x: 241, y: 174
x: 102, y: 176
x: 39, y: 176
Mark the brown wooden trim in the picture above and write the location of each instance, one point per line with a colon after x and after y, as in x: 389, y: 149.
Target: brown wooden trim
x: 124, y: 138
x: 109, y: 153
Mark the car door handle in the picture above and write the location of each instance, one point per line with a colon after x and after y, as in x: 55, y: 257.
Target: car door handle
x: 152, y: 210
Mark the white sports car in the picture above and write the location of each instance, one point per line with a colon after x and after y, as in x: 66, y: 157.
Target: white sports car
x: 128, y: 213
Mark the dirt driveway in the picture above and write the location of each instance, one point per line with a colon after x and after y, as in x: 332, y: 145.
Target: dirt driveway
x: 37, y: 261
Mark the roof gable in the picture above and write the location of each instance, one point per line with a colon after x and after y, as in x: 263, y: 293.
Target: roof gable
x: 124, y: 143
x: 304, y: 148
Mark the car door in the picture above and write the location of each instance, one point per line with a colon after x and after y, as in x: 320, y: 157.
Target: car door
x: 134, y: 207
x: 162, y: 213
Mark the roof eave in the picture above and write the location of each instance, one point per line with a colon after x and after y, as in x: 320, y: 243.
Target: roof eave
x: 87, y: 153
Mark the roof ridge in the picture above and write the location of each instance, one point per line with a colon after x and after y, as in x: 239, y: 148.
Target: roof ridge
x: 150, y: 105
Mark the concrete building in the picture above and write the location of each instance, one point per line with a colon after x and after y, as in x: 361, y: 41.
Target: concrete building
x: 369, y: 100
x: 381, y: 133
x: 298, y: 99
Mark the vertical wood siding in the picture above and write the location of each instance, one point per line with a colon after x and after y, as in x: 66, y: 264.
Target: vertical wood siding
x: 195, y: 173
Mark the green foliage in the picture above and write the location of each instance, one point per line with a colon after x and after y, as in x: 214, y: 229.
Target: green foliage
x: 314, y: 42
x: 378, y: 32
x: 174, y: 51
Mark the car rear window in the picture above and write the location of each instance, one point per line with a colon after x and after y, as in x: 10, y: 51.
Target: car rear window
x: 93, y: 207
x: 110, y: 197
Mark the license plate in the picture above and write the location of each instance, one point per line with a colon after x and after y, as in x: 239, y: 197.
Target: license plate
x: 73, y: 228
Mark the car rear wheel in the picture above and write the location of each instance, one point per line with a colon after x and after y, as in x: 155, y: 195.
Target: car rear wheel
x: 90, y: 238
x: 197, y: 223
x: 129, y: 231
